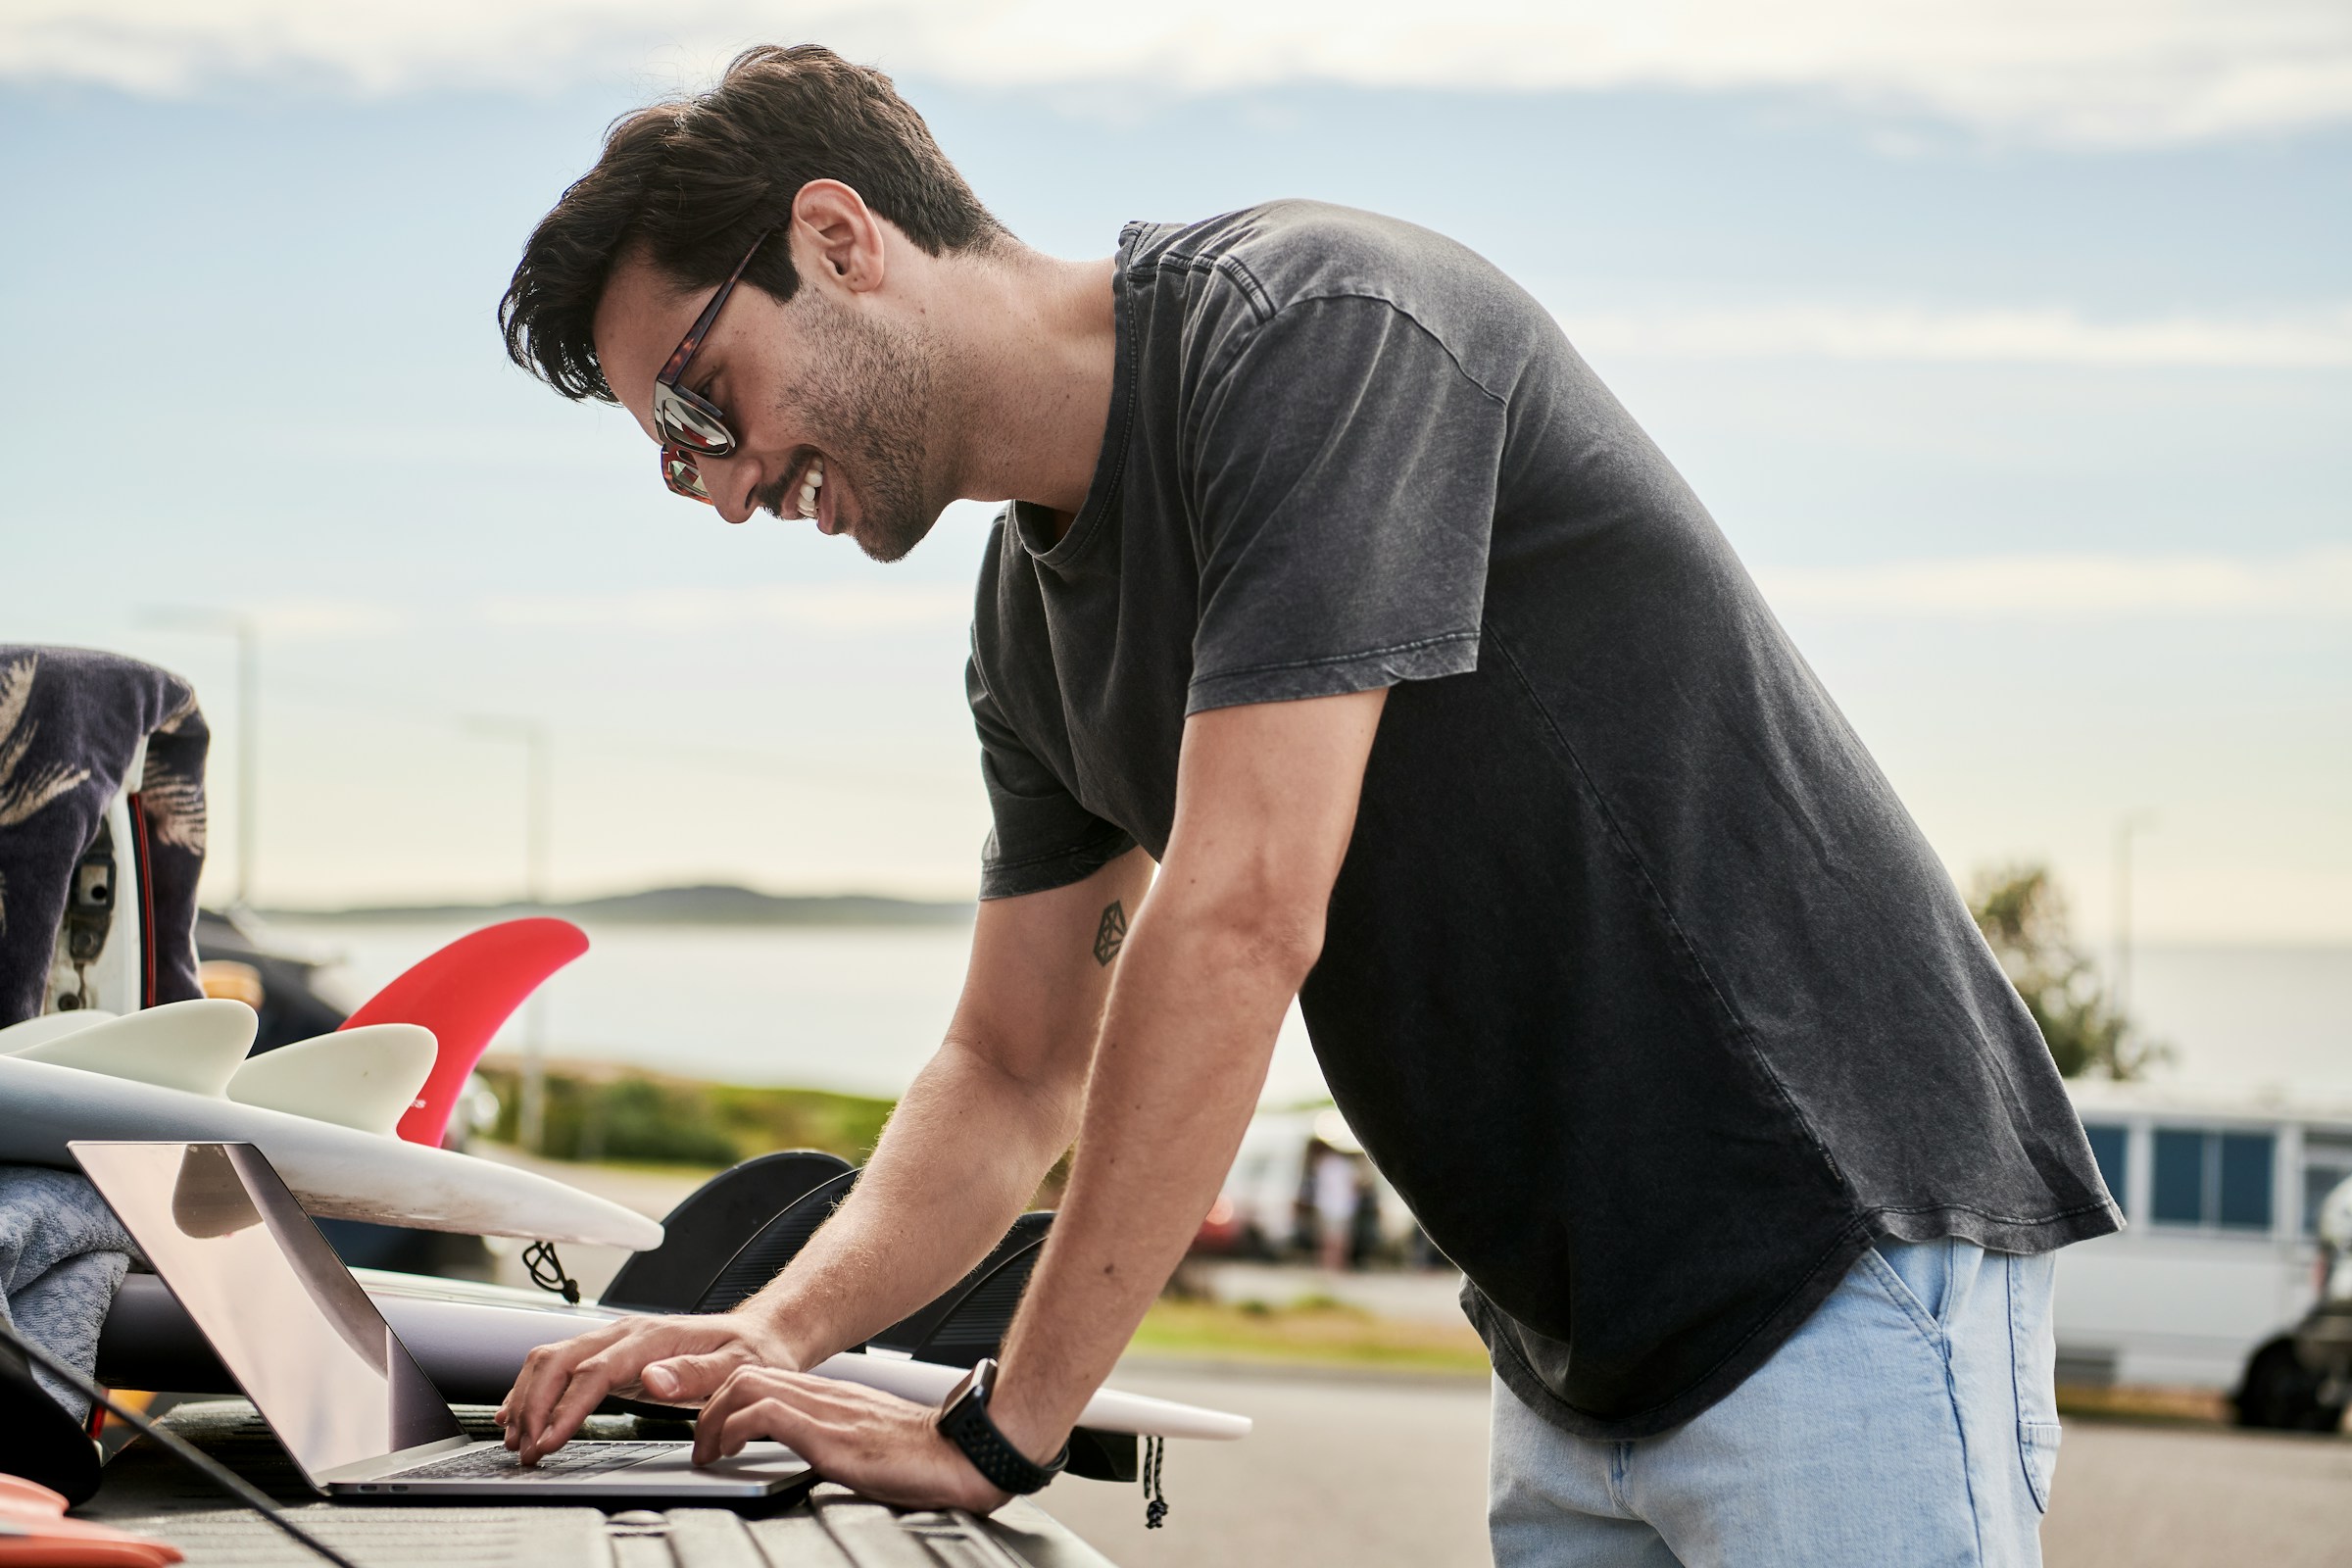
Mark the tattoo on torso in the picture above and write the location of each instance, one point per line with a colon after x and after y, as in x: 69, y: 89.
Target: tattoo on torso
x: 1111, y: 934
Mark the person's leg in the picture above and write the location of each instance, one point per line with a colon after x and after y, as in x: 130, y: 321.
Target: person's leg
x: 1908, y: 1421
x: 1553, y: 1500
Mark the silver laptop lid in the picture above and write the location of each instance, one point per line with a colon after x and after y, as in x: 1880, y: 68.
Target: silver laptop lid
x: 280, y: 1308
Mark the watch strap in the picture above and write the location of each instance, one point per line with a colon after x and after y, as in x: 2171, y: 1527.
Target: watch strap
x: 966, y: 1422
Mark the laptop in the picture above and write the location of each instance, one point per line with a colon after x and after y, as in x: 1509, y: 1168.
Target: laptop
x: 359, y: 1416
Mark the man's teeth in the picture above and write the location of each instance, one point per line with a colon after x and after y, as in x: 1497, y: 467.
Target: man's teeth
x: 811, y: 485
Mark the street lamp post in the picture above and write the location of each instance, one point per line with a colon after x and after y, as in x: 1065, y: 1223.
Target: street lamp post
x: 2127, y: 826
x: 538, y: 783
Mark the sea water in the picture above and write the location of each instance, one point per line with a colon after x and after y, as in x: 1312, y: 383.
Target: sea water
x: 860, y: 1009
x: 857, y: 1009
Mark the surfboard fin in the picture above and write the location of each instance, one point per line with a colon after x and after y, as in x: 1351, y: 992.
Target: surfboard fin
x: 711, y: 1225
x: 969, y: 1321
x: 463, y: 992
x: 737, y: 1231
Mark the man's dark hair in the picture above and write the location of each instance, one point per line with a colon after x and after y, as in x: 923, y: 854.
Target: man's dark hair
x: 694, y: 180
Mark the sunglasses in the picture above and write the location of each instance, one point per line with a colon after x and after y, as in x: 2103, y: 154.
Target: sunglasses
x: 691, y: 425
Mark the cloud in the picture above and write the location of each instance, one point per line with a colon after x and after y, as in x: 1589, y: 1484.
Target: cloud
x: 2073, y: 587
x: 2315, y: 340
x: 2076, y: 72
x: 879, y: 607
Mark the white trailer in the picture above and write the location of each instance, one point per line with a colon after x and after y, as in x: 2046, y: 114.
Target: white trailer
x: 2222, y: 1190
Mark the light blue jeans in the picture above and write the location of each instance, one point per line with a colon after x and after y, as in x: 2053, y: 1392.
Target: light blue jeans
x: 1911, y: 1421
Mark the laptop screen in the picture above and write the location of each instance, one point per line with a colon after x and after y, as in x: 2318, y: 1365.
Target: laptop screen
x: 280, y: 1309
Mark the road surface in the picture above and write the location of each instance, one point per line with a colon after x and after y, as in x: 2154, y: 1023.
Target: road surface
x: 1370, y: 1472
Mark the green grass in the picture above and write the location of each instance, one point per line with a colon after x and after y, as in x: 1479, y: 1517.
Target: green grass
x: 625, y: 1116
x: 1313, y: 1332
x: 2150, y: 1406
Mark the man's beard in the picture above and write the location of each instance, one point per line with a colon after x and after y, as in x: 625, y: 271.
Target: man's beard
x: 868, y: 390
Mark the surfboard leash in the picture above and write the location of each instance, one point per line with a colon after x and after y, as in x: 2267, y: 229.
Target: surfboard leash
x: 1156, y: 1502
x: 546, y: 1272
x: 179, y: 1448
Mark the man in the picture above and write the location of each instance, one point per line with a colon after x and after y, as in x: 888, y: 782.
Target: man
x: 1339, y: 587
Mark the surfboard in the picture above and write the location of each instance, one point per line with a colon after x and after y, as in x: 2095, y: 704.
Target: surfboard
x: 190, y: 1046
x: 364, y: 1078
x: 338, y: 1172
x: 471, y: 1341
x: 48, y: 1027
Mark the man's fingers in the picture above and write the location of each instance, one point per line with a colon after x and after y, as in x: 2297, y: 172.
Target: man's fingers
x: 677, y: 1379
x: 591, y: 1380
x: 732, y: 1394
x: 743, y: 1388
x: 676, y: 1359
x: 545, y: 1373
x: 770, y: 1417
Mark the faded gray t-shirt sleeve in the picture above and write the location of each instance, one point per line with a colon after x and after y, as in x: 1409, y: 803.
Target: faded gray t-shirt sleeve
x: 1346, y: 469
x: 1042, y: 837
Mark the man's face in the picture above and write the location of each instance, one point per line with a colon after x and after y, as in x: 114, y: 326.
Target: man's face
x: 823, y: 388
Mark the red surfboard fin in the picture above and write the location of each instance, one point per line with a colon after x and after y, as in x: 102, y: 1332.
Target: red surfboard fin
x: 463, y: 992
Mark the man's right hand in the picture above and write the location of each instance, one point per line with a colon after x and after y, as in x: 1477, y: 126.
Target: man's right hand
x: 667, y: 1360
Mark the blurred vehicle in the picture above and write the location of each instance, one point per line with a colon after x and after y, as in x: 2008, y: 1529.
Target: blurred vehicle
x: 294, y: 992
x: 2220, y: 1263
x: 2311, y: 1392
x: 1266, y: 1210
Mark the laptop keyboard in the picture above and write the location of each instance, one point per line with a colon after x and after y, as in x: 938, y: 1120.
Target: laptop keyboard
x: 569, y: 1462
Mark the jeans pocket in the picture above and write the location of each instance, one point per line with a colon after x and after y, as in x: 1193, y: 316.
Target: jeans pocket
x: 2034, y: 1364
x: 2037, y: 1448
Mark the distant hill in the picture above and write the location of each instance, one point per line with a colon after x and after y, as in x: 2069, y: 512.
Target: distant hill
x: 715, y: 903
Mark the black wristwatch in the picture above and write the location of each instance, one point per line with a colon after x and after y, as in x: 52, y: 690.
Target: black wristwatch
x: 966, y: 1421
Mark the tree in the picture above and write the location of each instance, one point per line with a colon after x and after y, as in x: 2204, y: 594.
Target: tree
x: 2022, y: 917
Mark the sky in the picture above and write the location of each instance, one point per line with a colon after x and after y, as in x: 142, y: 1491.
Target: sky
x: 2010, y: 344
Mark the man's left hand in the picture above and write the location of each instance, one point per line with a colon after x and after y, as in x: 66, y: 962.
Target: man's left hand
x: 875, y: 1444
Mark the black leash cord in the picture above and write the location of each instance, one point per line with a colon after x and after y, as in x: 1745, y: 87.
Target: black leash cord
x: 205, y: 1465
x: 546, y: 1272
x: 1155, y: 1505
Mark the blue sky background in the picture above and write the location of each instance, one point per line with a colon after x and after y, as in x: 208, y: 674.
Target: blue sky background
x: 2037, y: 441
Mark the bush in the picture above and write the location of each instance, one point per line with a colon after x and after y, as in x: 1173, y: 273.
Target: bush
x: 2022, y: 917
x: 623, y: 1115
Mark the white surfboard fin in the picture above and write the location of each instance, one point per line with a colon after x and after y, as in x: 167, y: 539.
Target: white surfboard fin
x: 189, y: 1045
x: 364, y: 1078
x: 49, y: 1026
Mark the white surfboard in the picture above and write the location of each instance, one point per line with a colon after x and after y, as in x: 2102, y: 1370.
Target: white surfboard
x: 471, y: 1341
x: 191, y: 1045
x: 48, y: 1027
x: 337, y: 1172
x: 364, y: 1078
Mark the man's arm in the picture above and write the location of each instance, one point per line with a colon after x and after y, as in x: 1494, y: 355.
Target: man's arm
x: 1266, y: 806
x: 963, y: 1152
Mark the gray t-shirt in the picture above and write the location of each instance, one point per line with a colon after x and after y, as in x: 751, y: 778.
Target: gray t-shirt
x: 1638, y: 981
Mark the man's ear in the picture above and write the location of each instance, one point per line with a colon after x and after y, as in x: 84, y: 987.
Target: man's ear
x: 836, y: 237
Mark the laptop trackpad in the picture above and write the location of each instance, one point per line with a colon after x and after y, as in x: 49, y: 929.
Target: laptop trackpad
x: 759, y: 1462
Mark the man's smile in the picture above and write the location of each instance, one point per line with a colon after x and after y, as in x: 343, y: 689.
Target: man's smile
x: 802, y: 493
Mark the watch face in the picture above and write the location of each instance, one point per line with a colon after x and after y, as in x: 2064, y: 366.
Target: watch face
x: 975, y: 1384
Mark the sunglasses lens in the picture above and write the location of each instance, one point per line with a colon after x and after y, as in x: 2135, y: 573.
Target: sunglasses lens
x: 689, y: 421
x: 682, y: 476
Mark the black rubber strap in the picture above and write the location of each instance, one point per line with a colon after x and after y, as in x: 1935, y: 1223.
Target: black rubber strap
x: 966, y: 1424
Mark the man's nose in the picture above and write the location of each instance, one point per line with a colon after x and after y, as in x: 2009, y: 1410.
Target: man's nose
x: 733, y: 483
